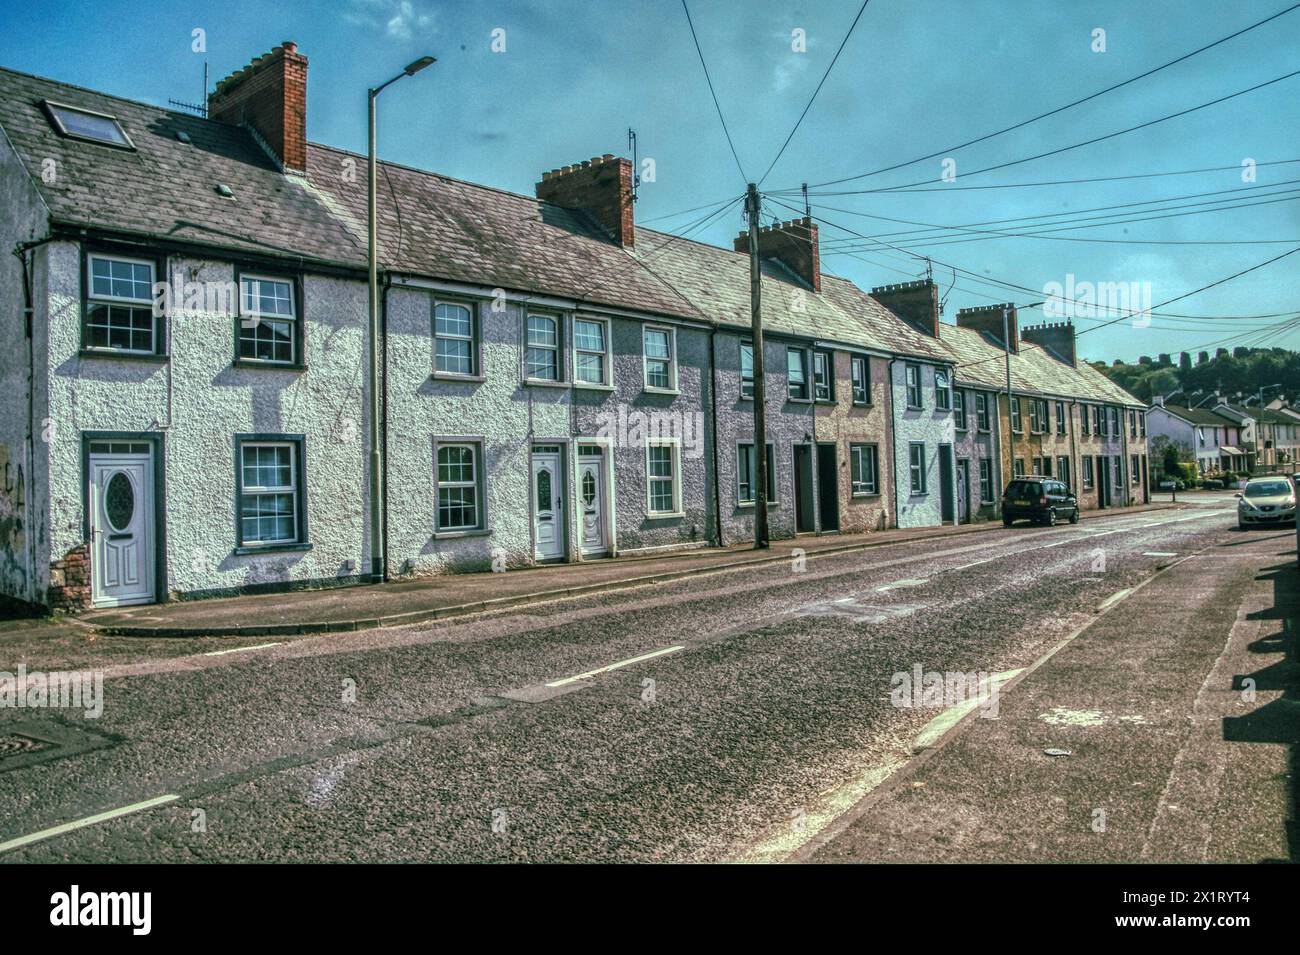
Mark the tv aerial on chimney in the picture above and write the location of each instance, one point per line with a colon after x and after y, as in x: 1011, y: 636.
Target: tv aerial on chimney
x: 636, y: 168
x: 196, y: 108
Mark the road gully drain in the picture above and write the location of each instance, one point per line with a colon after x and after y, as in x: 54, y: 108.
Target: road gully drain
x: 14, y: 744
x: 26, y: 743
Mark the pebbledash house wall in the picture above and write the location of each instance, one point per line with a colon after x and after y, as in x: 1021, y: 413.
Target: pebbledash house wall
x: 507, y: 416
x: 23, y: 511
x: 196, y: 399
x: 846, y: 424
x: 787, y: 423
x: 684, y: 416
x: 930, y: 425
x: 973, y: 445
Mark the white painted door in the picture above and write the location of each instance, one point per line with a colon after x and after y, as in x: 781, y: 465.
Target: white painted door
x: 121, y: 528
x: 591, y: 504
x: 548, y: 506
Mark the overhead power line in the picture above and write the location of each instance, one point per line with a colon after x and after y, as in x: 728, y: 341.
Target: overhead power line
x: 818, y: 90
x: 713, y: 93
x: 1059, y: 109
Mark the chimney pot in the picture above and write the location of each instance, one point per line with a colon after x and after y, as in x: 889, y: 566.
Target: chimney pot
x: 916, y: 302
x: 269, y: 96
x: 601, y: 187
x: 987, y: 319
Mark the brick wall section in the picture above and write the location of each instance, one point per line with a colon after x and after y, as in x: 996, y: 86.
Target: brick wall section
x: 1056, y: 337
x: 988, y: 320
x: 916, y: 302
x: 270, y: 95
x: 601, y: 187
x: 70, y: 581
x: 794, y: 244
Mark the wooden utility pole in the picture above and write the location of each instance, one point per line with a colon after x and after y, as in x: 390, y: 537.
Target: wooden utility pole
x: 752, y: 206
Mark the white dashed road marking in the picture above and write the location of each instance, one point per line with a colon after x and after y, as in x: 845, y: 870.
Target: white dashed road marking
x: 87, y: 821
x: 613, y: 666
x: 259, y: 646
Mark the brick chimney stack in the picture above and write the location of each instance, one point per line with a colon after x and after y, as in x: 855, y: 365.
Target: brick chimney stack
x: 916, y: 302
x: 270, y: 97
x: 1056, y: 338
x: 794, y: 244
x: 987, y: 319
x: 600, y: 187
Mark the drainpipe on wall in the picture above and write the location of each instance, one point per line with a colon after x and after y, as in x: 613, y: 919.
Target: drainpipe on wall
x: 383, y: 433
x: 893, y: 442
x: 29, y: 498
x: 713, y: 410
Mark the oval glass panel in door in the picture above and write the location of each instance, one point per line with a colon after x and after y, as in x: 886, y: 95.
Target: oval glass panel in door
x: 119, y: 501
x: 589, y: 489
x: 544, y: 490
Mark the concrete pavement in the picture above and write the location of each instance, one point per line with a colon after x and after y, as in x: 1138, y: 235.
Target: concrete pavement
x: 1165, y: 731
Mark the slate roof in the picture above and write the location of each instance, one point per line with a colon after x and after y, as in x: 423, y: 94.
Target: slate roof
x: 1034, y: 370
x: 1201, y: 416
x: 438, y: 227
x: 166, y: 188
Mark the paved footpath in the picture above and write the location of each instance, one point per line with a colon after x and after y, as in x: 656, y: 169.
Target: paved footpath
x: 1175, y: 720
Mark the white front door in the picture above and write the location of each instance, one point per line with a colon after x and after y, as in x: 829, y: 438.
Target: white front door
x: 591, y: 502
x: 548, y: 505
x: 121, y: 529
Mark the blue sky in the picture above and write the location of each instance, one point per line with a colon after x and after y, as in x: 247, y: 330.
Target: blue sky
x: 917, y: 76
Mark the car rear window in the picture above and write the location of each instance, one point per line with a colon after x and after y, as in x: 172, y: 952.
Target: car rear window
x: 1024, y: 489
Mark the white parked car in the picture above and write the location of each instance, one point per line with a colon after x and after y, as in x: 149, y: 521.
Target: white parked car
x: 1266, y: 500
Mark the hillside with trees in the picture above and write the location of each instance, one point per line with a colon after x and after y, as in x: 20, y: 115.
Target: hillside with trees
x: 1243, y: 371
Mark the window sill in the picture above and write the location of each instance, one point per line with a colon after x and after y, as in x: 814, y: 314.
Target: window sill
x: 862, y: 404
x: 468, y: 532
x: 661, y: 391
x: 749, y: 504
x: 89, y: 352
x: 825, y: 401
x: 274, y: 365
x: 913, y: 407
x: 545, y: 383
x: 664, y: 515
x: 271, y: 548
x: 592, y: 386
x: 448, y: 376
x: 797, y: 401
x: 862, y: 494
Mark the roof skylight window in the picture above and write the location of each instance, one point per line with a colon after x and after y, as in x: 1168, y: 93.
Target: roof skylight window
x: 77, y: 123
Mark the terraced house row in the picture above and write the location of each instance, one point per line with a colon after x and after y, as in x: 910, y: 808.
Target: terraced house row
x: 185, y: 387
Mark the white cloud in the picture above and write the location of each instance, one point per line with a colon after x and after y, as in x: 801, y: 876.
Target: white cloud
x: 400, y: 19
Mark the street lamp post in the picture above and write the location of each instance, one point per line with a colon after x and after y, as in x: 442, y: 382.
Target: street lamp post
x: 378, y: 568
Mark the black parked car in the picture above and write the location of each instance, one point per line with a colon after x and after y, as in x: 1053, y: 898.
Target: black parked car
x: 1043, y: 500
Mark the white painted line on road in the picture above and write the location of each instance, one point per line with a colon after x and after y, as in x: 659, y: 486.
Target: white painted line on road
x: 1114, y: 598
x: 934, y: 730
x: 975, y: 563
x: 87, y: 821
x: 909, y: 582
x: 1159, y: 553
x: 259, y: 646
x: 614, y: 666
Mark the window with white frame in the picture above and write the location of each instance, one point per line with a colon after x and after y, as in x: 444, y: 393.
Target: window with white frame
x: 1018, y: 468
x: 1060, y: 417
x: 747, y: 369
x: 591, y: 351
x: 1098, y: 423
x: 268, y: 320
x: 796, y: 363
x: 1015, y: 414
x: 1044, y: 416
x: 747, y: 473
x: 459, y: 492
x: 982, y: 411
x: 1033, y: 415
x: 959, y: 408
x: 454, y: 329
x: 542, y: 353
x: 912, y: 377
x: 1087, y: 472
x: 1063, y: 469
x: 823, y: 377
x: 119, y: 305
x: 916, y: 466
x: 942, y: 393
x: 660, y: 358
x: 1084, y: 420
x: 1135, y: 469
x: 270, y: 495
x: 861, y: 388
x: 864, y: 469
x: 986, y: 480
x: 663, y: 486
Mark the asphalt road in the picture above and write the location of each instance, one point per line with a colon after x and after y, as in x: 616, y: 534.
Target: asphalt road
x: 757, y: 712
